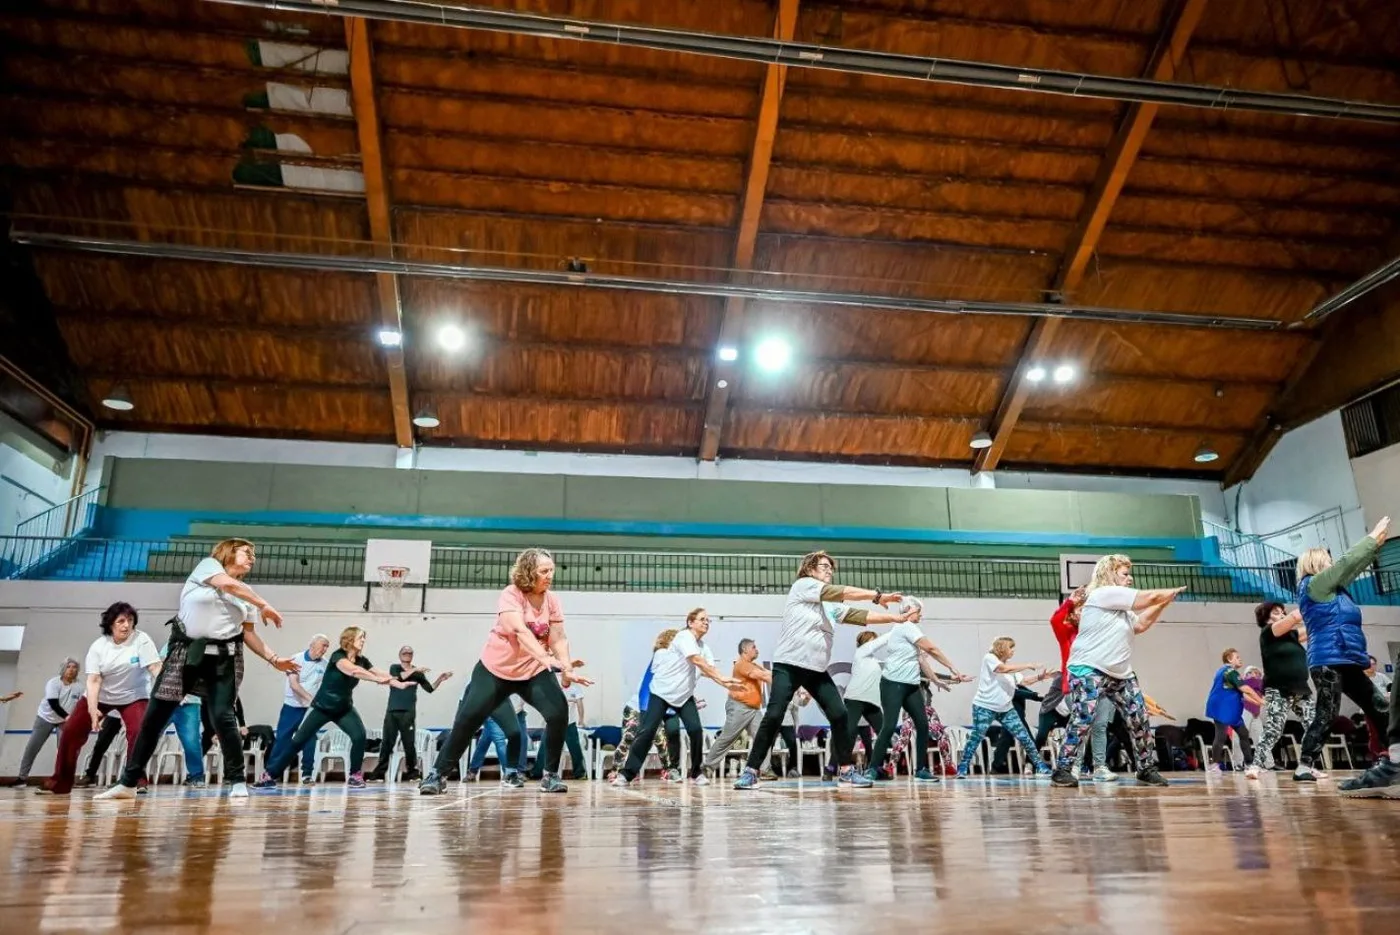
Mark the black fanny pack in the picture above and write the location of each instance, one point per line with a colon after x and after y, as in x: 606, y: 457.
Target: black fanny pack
x: 195, y: 649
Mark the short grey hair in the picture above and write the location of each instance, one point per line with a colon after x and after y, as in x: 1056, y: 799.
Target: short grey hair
x: 319, y: 638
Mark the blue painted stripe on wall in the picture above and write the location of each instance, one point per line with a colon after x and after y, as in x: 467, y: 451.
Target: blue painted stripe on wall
x: 125, y: 523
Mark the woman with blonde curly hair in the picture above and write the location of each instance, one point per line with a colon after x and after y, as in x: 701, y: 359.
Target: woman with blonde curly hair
x: 523, y: 653
x: 1100, y: 663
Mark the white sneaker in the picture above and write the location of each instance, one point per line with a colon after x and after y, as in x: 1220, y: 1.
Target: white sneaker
x: 238, y: 790
x: 700, y: 780
x: 118, y: 791
x: 1074, y: 771
x: 1213, y: 769
x: 1251, y: 773
x: 620, y: 781
x: 1104, y: 774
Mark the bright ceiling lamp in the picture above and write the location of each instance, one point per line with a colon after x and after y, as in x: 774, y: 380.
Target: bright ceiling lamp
x: 118, y: 398
x: 773, y: 354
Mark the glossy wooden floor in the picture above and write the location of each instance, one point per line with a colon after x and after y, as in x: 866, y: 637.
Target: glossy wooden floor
x: 999, y: 856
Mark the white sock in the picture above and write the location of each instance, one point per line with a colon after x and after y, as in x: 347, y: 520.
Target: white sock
x: 1395, y: 753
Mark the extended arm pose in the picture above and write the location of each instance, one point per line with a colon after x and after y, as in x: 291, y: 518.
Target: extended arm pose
x: 524, y: 650
x: 334, y: 703
x: 996, y: 689
x: 1100, y: 663
x: 61, y: 693
x: 1337, y: 657
x: 118, y: 665
x: 401, y: 716
x: 814, y: 606
x: 1225, y: 706
x: 676, y: 671
x: 204, y: 657
x: 301, y: 689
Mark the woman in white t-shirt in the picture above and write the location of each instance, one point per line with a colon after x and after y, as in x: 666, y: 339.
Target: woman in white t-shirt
x: 862, y: 694
x: 675, y: 672
x: 1101, y: 664
x: 996, y: 687
x: 119, y: 665
x: 205, y: 658
x: 899, y: 688
x: 814, y: 606
x: 60, y: 695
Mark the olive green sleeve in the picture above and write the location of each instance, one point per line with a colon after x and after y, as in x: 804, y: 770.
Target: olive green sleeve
x: 833, y: 592
x: 853, y: 615
x: 1325, y: 584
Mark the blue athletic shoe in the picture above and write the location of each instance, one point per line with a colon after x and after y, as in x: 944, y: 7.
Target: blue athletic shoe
x: 748, y: 779
x: 854, y: 779
x: 925, y: 775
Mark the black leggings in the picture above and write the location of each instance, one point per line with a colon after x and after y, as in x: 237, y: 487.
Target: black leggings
x: 218, y: 677
x: 111, y: 727
x: 1332, y: 682
x: 488, y: 696
x: 857, y: 711
x: 787, y: 679
x: 906, y: 695
x: 652, y: 719
x: 398, y: 724
x: 347, y: 720
x: 1219, y: 749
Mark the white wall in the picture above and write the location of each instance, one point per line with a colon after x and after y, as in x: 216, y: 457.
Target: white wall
x: 610, y: 632
x: 1378, y: 483
x: 272, y: 451
x: 27, y: 487
x: 1308, y: 472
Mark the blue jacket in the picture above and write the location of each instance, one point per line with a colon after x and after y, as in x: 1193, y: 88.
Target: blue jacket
x: 1225, y: 705
x: 1334, y: 629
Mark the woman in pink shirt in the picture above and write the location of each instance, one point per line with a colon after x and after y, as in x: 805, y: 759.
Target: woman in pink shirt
x: 524, y: 650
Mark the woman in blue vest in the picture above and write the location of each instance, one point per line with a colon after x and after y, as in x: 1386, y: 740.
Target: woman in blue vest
x: 1337, y: 656
x: 1225, y: 706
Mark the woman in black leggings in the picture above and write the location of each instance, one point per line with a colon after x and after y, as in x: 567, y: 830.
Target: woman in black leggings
x: 523, y: 652
x: 675, y: 672
x: 334, y: 703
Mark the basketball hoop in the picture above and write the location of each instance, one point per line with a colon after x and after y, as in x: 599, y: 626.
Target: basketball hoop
x: 391, y: 581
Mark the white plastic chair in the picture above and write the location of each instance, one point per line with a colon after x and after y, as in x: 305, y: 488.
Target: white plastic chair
x: 169, y: 748
x: 109, y: 770
x: 422, y: 739
x: 1337, y: 742
x: 336, y: 746
x: 253, y: 758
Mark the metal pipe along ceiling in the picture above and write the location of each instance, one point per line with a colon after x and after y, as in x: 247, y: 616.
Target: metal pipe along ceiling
x: 1370, y: 282
x: 356, y: 264
x: 802, y: 55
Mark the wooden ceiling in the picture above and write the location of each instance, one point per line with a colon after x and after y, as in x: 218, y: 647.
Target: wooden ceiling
x: 157, y: 117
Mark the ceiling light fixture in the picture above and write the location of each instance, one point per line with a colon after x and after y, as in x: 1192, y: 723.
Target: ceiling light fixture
x: 390, y: 337
x: 1063, y: 373
x: 1205, y: 455
x: 981, y: 440
x: 722, y: 384
x: 729, y: 353
x: 426, y: 418
x: 773, y: 354
x: 451, y: 338
x: 1035, y: 374
x: 118, y: 398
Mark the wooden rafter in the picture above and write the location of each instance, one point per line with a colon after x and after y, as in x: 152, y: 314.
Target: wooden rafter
x: 366, y: 107
x: 1113, y: 173
x: 723, y: 374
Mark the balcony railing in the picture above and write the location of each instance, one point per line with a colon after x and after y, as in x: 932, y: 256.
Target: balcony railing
x: 342, y: 563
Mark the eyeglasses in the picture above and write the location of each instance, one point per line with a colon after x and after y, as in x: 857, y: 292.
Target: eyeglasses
x: 825, y: 566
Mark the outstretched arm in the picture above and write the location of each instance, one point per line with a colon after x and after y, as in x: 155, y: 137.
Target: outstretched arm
x: 1286, y: 623
x: 926, y: 645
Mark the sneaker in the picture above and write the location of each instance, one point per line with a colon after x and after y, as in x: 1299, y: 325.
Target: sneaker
x: 748, y: 779
x: 1150, y: 777
x: 118, y: 791
x: 671, y: 775
x: 620, y: 781
x: 1381, y: 781
x: 375, y: 776
x: 794, y: 774
x: 471, y: 776
x: 923, y: 775
x: 855, y: 780
x: 960, y: 774
x: 196, y: 782
x: 1104, y: 774
x: 265, y: 781
x: 701, y: 780
x: 356, y: 781
x: 143, y: 788
x: 238, y: 790
x: 308, y: 780
x: 514, y: 779
x: 1064, y: 778
x: 1213, y: 770
x: 552, y: 783
x: 432, y: 784
x: 873, y: 775
x: 1074, y: 772
x: 1251, y: 773
x: 1308, y: 774
x: 45, y: 790
x: 84, y: 782
x: 17, y: 783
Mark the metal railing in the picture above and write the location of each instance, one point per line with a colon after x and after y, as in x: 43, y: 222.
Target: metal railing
x: 342, y: 564
x: 1245, y: 550
x: 72, y: 517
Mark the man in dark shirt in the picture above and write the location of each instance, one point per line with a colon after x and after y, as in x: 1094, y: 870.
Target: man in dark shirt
x: 401, y: 716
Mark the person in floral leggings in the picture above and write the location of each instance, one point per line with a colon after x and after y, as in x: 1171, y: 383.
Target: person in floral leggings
x: 938, y: 735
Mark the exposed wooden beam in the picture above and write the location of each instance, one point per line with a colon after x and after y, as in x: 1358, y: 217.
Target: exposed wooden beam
x: 724, y: 374
x: 1113, y: 172
x: 366, y: 108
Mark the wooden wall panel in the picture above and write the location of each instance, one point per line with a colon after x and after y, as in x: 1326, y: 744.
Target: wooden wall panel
x: 1121, y: 283
x: 565, y: 424
x: 899, y: 438
x: 1043, y: 444
x: 851, y: 388
x: 1159, y: 351
x: 890, y: 223
x: 562, y: 372
x: 1124, y: 401
x: 1023, y: 201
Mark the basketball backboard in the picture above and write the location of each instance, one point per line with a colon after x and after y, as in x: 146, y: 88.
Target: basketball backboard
x: 413, y: 554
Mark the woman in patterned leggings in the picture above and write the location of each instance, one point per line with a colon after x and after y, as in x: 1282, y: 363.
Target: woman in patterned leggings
x: 996, y: 688
x: 1101, y: 663
x: 1282, y: 646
